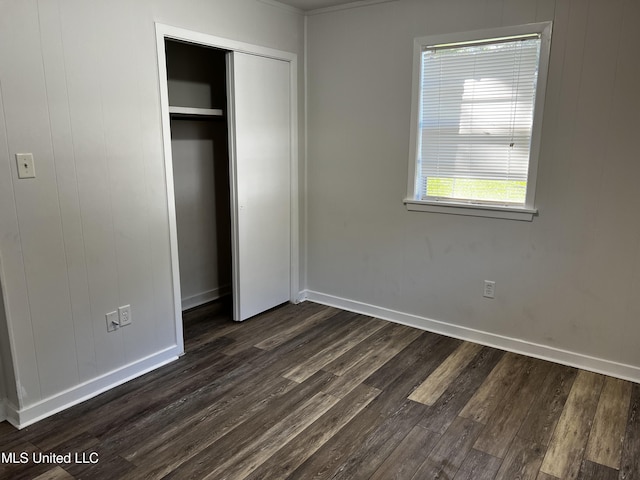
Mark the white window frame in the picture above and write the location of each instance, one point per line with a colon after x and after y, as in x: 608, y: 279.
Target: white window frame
x: 413, y: 201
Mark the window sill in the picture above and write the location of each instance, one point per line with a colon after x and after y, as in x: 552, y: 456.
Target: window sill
x: 490, y: 211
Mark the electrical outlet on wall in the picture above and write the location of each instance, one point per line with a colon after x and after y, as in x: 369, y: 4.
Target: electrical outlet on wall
x: 489, y: 289
x: 125, y: 315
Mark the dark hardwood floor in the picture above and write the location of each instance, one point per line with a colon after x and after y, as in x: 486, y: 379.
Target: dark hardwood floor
x: 312, y: 392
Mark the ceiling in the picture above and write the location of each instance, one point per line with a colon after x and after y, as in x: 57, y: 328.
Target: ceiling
x: 307, y: 5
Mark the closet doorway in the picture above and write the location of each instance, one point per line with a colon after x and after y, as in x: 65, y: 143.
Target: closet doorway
x: 229, y: 115
x: 196, y: 80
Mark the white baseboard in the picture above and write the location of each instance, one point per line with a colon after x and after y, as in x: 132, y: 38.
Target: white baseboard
x: 205, y: 297
x: 25, y: 416
x: 544, y: 352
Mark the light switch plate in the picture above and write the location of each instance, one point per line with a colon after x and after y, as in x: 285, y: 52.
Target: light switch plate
x: 26, y: 166
x: 112, y: 321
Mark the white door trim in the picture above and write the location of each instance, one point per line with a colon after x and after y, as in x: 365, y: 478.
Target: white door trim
x: 166, y: 31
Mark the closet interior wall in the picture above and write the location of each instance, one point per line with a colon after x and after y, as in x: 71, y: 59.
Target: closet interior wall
x: 199, y: 142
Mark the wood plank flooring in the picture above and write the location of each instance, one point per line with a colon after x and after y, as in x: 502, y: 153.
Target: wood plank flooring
x: 312, y: 392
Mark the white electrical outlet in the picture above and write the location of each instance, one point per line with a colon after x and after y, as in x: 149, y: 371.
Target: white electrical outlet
x: 26, y: 167
x: 112, y: 321
x: 489, y: 289
x: 125, y: 315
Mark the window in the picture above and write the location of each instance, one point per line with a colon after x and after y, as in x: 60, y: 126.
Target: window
x: 477, y: 109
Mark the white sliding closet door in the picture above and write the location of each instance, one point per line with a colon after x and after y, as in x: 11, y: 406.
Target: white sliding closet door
x: 260, y: 156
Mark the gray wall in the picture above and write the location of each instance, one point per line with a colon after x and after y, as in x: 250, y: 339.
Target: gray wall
x: 203, y: 210
x: 7, y: 380
x: 79, y: 89
x: 3, y: 394
x: 571, y: 278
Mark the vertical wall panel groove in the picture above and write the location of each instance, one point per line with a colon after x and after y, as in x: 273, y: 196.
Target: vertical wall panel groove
x: 57, y: 184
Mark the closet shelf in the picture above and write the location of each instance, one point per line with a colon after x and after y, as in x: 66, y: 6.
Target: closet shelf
x: 196, y: 112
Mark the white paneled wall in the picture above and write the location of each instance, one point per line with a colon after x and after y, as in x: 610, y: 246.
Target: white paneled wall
x: 6, y: 371
x: 568, y: 283
x: 3, y: 394
x: 79, y: 90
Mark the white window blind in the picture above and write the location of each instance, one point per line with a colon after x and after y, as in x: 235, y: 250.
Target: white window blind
x: 475, y: 120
